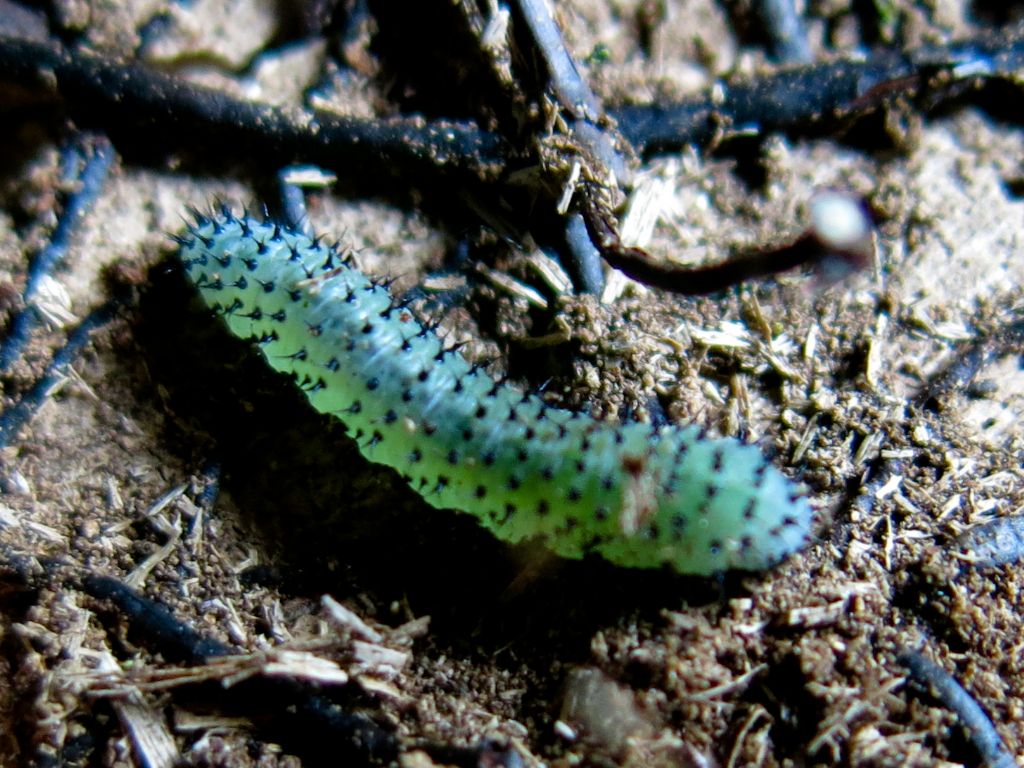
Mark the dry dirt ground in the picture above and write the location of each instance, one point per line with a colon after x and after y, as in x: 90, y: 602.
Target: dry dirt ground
x: 445, y: 634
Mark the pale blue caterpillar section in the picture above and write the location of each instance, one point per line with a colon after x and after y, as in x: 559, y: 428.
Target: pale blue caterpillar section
x: 640, y: 496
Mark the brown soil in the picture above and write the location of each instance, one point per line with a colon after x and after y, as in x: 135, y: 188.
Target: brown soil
x: 569, y: 662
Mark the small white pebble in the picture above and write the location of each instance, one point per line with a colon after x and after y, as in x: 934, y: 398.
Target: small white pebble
x: 838, y: 219
x: 565, y: 731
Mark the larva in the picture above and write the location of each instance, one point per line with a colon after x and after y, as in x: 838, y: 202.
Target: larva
x: 638, y: 495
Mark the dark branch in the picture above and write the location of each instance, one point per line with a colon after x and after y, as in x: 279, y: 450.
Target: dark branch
x: 800, y: 98
x: 948, y: 692
x: 99, y: 155
x: 307, y: 721
x: 834, y: 248
x: 569, y: 86
x: 16, y: 416
x: 173, y: 639
x: 112, y: 93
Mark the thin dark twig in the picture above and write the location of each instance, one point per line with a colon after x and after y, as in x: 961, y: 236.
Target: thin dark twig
x: 789, y: 100
x: 307, y: 712
x: 980, y: 730
x: 833, y: 257
x: 700, y: 281
x: 572, y: 90
x: 90, y: 182
x: 176, y: 640
x: 17, y: 415
x: 802, y: 97
x: 584, y: 111
x: 308, y: 721
x: 111, y: 91
x: 584, y: 258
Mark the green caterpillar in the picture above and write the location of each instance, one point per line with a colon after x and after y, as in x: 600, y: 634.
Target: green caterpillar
x: 638, y: 495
